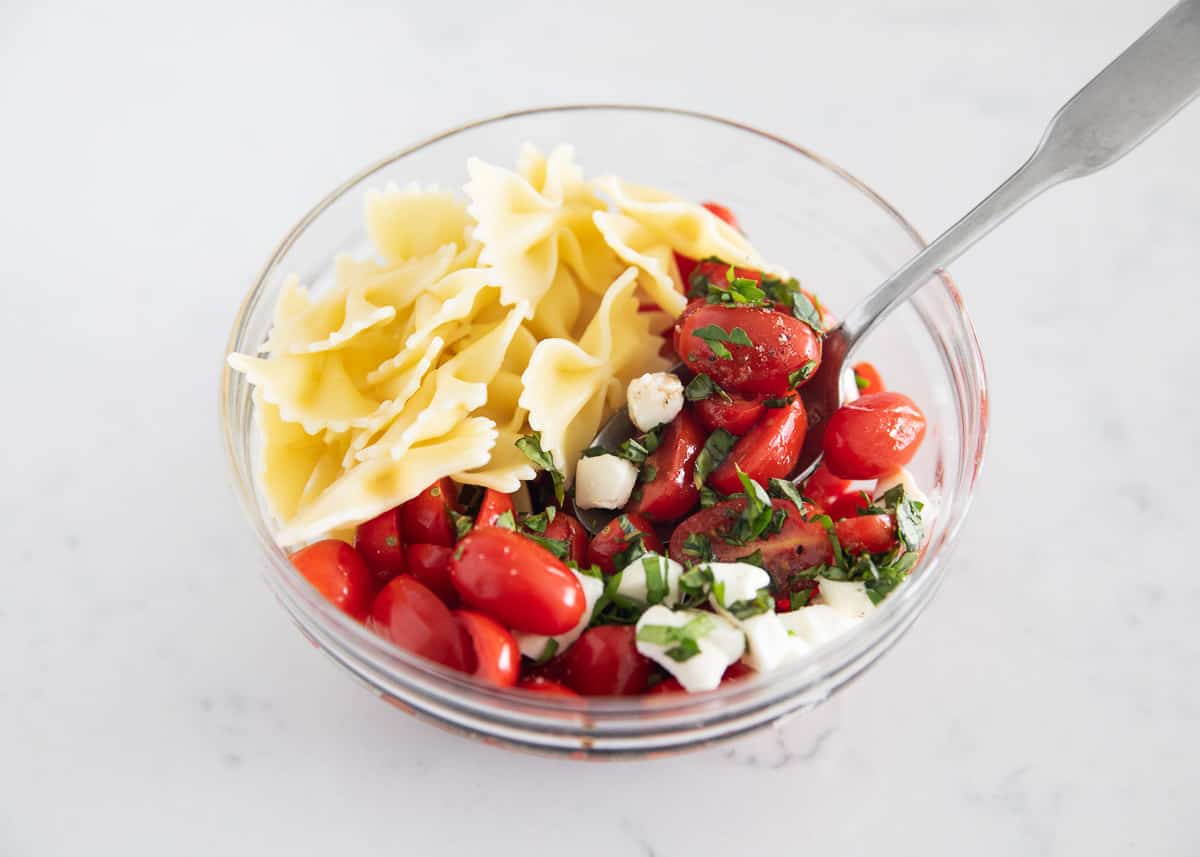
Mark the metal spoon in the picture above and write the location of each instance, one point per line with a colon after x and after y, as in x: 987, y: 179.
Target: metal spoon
x: 1124, y: 104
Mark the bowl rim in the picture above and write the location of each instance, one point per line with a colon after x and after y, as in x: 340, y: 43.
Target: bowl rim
x: 443, y: 690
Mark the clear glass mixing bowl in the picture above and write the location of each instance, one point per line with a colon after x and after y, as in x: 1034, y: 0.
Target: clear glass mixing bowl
x: 803, y: 212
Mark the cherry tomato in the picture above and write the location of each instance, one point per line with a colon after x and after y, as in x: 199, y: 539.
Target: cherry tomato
x: 672, y: 491
x: 693, y: 306
x: 770, y: 449
x: 866, y: 534
x: 495, y: 657
x: 715, y: 272
x: 565, y: 528
x: 339, y: 573
x: 873, y: 435
x: 798, y: 545
x: 516, y: 581
x: 779, y: 345
x: 413, y: 618
x: 605, y: 662
x: 614, y: 538
x: 380, y: 543
x: 723, y: 213
x: 736, y: 416
x: 427, y: 516
x: 494, y: 505
x: 868, y: 379
x: 545, y: 686
x: 837, y: 497
x: 430, y: 565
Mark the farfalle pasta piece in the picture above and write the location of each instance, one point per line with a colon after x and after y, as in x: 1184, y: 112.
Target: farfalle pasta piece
x: 527, y: 229
x: 640, y: 245
x: 684, y: 226
x: 410, y: 222
x: 294, y: 466
x: 567, y: 386
x: 370, y: 488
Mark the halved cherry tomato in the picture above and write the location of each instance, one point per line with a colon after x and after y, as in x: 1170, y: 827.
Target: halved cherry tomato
x: 427, y: 516
x: 495, y: 656
x: 493, y: 506
x: 605, y: 662
x: 565, y: 528
x: 723, y: 213
x: 736, y: 415
x: 545, y: 686
x: 672, y: 491
x: 798, y: 545
x: 413, y: 618
x: 868, y: 379
x: 516, y: 581
x: 614, y: 538
x: 873, y: 435
x: 381, y: 545
x: 770, y: 449
x: 715, y: 272
x: 339, y: 573
x: 779, y: 345
x: 735, y: 671
x: 430, y: 564
x: 866, y: 534
x: 837, y: 497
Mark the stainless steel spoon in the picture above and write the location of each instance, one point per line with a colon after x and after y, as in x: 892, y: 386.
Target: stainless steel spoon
x: 1124, y: 104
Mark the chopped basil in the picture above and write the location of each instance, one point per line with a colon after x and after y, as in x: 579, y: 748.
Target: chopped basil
x: 709, y: 497
x: 778, y: 402
x: 755, y: 558
x: 861, y: 382
x: 649, y: 473
x: 699, y: 547
x: 695, y: 584
x: 760, y: 603
x: 632, y: 450
x: 910, y: 527
x: 613, y: 608
x: 716, y: 448
x: 538, y: 523
x: 757, y: 518
x: 593, y: 452
x: 839, y: 558
x: 737, y: 290
x: 635, y: 543
x: 655, y: 567
x: 802, y: 374
x: 800, y: 598
x: 548, y: 651
x: 506, y: 521
x: 702, y: 387
x: 785, y: 489
x: 558, y: 547
x: 684, y: 640
x: 531, y: 445
x: 716, y: 337
x: 462, y: 523
x: 803, y: 309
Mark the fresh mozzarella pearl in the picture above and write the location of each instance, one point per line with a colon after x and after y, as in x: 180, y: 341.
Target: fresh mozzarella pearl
x: 604, y: 482
x: 740, y: 579
x: 633, y: 578
x: 817, y: 624
x: 533, y: 645
x: 654, y: 399
x: 768, y: 643
x: 848, y: 597
x: 719, y: 647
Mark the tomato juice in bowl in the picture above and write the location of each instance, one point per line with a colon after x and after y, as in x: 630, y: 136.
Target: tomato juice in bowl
x: 831, y: 232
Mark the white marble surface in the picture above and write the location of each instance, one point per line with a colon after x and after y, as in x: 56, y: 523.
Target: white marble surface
x: 153, y: 699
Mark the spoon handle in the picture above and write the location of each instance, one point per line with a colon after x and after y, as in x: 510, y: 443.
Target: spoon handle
x: 1124, y: 104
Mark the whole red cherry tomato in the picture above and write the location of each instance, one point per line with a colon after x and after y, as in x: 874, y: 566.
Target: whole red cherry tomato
x: 837, y: 497
x: 868, y: 379
x: 413, y: 618
x: 779, y: 345
x: 381, y: 545
x: 770, y: 449
x: 605, y: 662
x: 565, y: 528
x: 671, y: 492
x: 798, y: 545
x: 545, y: 686
x: 873, y: 435
x: 430, y: 564
x: 866, y: 534
x: 516, y: 581
x: 723, y: 213
x: 493, y: 506
x: 616, y: 536
x: 339, y: 573
x: 736, y: 415
x: 427, y: 516
x: 495, y: 656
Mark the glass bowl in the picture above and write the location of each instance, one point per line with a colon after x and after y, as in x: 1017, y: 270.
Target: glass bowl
x: 802, y: 212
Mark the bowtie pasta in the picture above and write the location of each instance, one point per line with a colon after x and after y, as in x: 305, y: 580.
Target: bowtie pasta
x: 528, y: 305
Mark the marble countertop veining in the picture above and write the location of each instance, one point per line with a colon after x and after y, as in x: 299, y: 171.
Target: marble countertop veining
x: 155, y: 701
